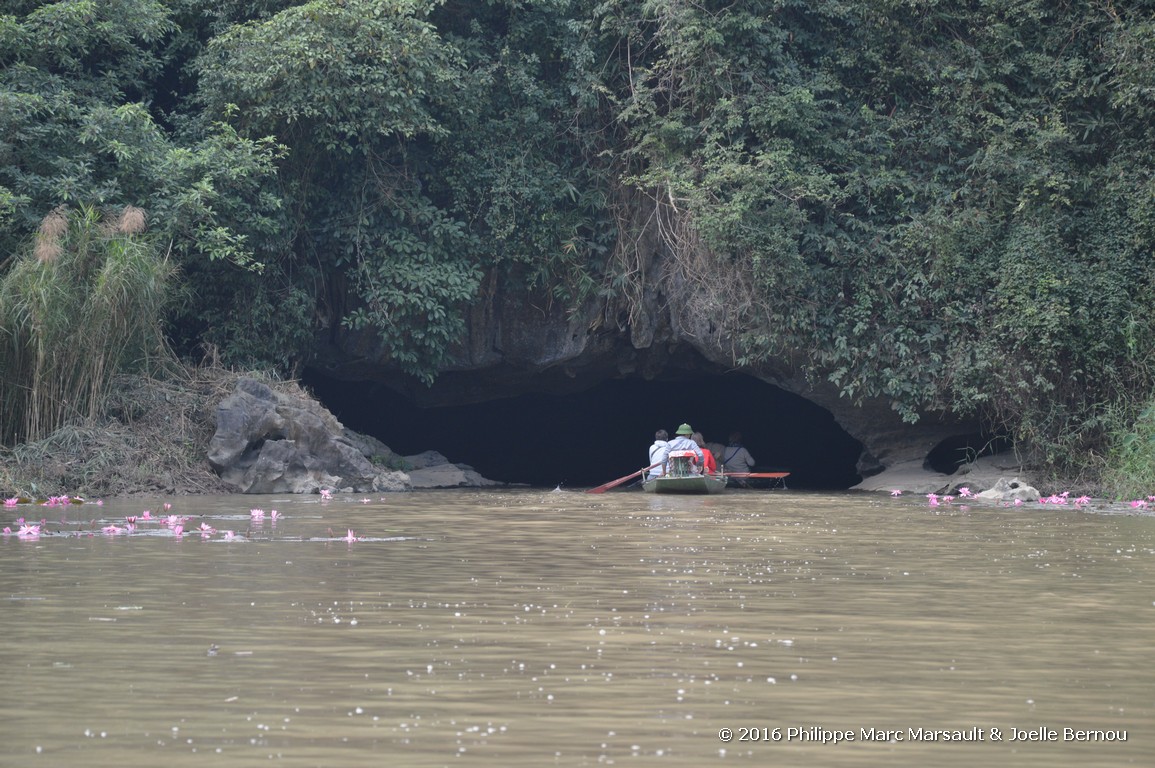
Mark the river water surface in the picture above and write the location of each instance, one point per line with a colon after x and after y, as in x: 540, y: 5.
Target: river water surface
x: 535, y: 628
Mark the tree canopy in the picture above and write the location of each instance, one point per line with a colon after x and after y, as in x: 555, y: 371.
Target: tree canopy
x: 949, y: 205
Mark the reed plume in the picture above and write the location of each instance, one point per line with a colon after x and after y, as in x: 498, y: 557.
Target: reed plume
x: 72, y: 319
x: 131, y: 221
x: 53, y: 228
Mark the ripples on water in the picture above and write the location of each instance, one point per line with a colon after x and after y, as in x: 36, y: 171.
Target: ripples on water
x: 532, y: 628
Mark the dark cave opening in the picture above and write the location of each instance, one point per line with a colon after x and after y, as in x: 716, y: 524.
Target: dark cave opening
x: 592, y: 437
x: 948, y: 455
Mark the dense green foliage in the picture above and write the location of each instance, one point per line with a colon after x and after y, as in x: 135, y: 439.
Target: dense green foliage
x: 948, y: 205
x: 1130, y: 464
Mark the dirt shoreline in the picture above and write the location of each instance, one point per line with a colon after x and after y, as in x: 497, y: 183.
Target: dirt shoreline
x: 153, y: 440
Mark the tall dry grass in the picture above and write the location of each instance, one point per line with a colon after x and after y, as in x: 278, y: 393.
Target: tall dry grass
x: 85, y: 303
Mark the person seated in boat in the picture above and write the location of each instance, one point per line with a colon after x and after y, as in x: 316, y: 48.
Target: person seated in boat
x: 685, y: 442
x: 735, y: 457
x: 716, y: 448
x: 708, y: 462
x: 658, y: 453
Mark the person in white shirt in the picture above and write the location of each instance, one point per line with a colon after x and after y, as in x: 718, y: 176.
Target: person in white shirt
x: 658, y: 452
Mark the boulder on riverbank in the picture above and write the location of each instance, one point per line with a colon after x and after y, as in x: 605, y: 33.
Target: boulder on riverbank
x: 156, y: 433
x: 1010, y: 489
x: 432, y: 470
x: 277, y: 442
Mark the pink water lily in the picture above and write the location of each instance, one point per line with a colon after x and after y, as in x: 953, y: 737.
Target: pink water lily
x: 326, y: 494
x: 206, y: 530
x: 178, y: 529
x: 111, y: 530
x: 146, y: 515
x: 350, y: 537
x: 230, y: 535
x: 1083, y: 500
x: 932, y: 498
x: 11, y: 502
x: 29, y: 531
x: 274, y: 514
x: 965, y: 493
x: 896, y: 492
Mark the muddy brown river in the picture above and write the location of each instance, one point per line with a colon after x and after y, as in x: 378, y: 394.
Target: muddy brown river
x: 538, y: 628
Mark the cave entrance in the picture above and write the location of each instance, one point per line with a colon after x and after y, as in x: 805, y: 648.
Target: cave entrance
x: 604, y: 432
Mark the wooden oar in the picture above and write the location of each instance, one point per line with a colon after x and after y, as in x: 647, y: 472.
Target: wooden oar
x: 620, y: 480
x: 757, y: 474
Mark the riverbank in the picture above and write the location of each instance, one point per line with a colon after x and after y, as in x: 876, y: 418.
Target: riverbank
x: 152, y: 440
x: 979, y: 475
x: 155, y: 434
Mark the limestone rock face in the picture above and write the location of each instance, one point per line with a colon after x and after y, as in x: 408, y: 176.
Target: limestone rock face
x: 517, y: 344
x: 432, y: 470
x: 271, y: 442
x: 908, y: 477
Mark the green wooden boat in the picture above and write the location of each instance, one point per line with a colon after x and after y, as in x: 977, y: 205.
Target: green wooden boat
x: 699, y: 484
x: 682, y: 477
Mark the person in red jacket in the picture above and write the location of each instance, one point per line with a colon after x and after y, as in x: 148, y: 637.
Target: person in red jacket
x: 709, y: 464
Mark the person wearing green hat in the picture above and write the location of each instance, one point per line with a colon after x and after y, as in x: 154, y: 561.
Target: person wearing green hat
x: 684, y: 442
